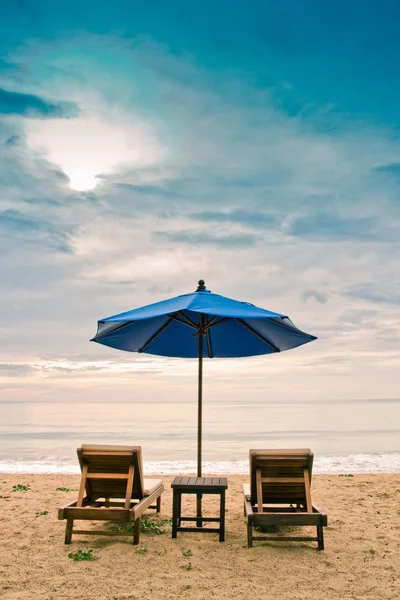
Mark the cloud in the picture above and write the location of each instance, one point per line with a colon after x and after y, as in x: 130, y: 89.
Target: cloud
x: 323, y: 225
x: 29, y: 105
x: 32, y: 230
x: 375, y: 293
x: 15, y: 221
x: 14, y: 371
x: 390, y: 169
x: 316, y: 295
x: 199, y: 175
x: 256, y: 220
x: 204, y: 238
x: 357, y: 317
x: 88, y: 147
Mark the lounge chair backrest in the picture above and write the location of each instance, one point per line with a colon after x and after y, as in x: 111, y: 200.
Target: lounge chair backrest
x: 281, y: 477
x: 111, y: 472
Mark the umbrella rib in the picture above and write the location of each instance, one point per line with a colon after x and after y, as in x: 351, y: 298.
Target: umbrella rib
x: 208, y: 337
x: 292, y: 328
x: 182, y: 322
x: 155, y: 335
x: 213, y: 323
x: 260, y: 337
x: 192, y: 323
x: 99, y: 337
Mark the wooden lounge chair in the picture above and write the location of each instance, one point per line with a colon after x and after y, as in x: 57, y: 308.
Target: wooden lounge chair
x: 115, y: 490
x: 279, y: 494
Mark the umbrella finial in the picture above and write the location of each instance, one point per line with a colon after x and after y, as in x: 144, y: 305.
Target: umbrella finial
x: 202, y: 285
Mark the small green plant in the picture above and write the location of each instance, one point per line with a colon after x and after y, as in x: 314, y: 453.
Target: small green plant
x: 121, y: 527
x: 187, y: 553
x: 146, y: 526
x: 151, y: 527
x: 346, y: 475
x: 187, y: 567
x: 268, y: 528
x: 82, y: 555
x: 39, y: 513
x: 63, y: 489
x: 21, y: 488
x: 141, y: 551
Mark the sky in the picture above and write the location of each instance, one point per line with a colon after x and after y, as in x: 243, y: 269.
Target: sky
x: 144, y: 146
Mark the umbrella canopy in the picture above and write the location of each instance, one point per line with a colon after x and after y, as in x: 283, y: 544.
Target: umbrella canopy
x: 200, y: 324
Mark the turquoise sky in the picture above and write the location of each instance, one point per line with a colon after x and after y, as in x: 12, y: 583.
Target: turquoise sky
x: 146, y: 145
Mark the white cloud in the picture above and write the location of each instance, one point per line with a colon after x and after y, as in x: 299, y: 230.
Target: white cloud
x: 206, y: 144
x: 87, y: 147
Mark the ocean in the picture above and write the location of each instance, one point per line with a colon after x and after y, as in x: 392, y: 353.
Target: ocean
x: 352, y: 436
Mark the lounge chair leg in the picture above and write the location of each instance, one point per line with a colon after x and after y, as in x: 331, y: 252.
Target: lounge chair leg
x: 136, y: 531
x: 320, y: 535
x: 158, y: 509
x: 68, y: 531
x: 249, y: 535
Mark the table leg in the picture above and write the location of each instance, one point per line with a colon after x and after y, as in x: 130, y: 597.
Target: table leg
x: 199, y: 521
x: 175, y: 504
x: 222, y: 517
x: 179, y: 509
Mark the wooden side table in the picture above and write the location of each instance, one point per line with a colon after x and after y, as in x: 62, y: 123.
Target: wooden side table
x: 198, y: 486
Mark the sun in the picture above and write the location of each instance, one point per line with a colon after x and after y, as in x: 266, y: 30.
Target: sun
x: 81, y: 180
x: 89, y: 148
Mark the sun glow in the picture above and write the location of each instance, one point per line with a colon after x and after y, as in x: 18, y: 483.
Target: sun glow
x: 89, y: 149
x: 81, y: 180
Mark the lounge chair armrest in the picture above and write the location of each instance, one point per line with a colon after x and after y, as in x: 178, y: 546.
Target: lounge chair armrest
x: 323, y: 514
x: 139, y: 508
x: 246, y: 491
x: 319, y: 510
x: 61, y: 510
x: 248, y: 509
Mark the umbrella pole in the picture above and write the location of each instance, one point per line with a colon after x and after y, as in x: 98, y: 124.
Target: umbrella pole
x: 200, y: 406
x: 199, y: 522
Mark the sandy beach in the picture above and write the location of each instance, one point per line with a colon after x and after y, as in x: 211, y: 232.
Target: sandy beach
x: 362, y: 542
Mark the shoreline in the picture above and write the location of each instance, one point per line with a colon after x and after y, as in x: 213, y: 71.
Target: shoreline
x: 362, y: 541
x: 360, y: 463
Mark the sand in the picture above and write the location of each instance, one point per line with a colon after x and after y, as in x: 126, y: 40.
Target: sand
x: 361, y: 559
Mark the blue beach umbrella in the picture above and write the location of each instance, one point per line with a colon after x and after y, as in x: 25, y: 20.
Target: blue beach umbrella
x: 200, y: 324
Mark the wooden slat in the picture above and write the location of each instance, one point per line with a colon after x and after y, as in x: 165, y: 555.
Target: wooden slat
x: 82, y: 485
x: 107, y: 454
x: 268, y: 538
x: 200, y: 529
x: 281, y: 480
x: 205, y: 519
x: 308, y: 491
x: 101, y: 532
x: 129, y: 486
x: 282, y: 509
x: 259, y: 491
x: 107, y: 476
x: 280, y: 452
x: 284, y: 518
x: 97, y: 514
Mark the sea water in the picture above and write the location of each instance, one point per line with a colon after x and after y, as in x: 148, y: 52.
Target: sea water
x: 349, y: 436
